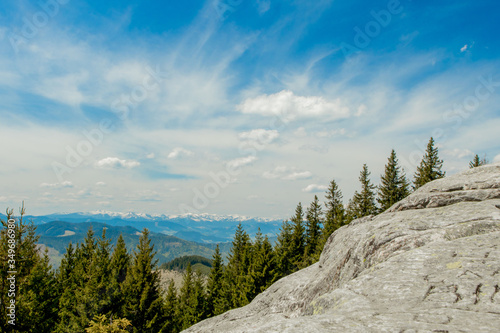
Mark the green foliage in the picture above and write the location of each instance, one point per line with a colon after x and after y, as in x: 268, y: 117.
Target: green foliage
x: 101, y: 324
x: 172, y: 314
x: 144, y: 304
x: 363, y: 203
x: 283, y: 251
x: 216, y: 303
x: 430, y: 166
x: 394, y: 186
x: 181, y: 263
x: 36, y: 293
x: 476, y: 161
x: 314, y: 221
x: 298, y: 237
x: 334, y: 214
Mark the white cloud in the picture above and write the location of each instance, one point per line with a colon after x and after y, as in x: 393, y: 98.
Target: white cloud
x: 313, y: 188
x: 116, y: 163
x: 3, y: 199
x: 288, y: 106
x: 286, y: 173
x: 458, y: 153
x: 239, y: 162
x: 496, y: 159
x: 150, y: 156
x: 464, y: 48
x: 100, y: 184
x: 298, y: 175
x: 261, y: 136
x: 179, y: 152
x: 65, y: 184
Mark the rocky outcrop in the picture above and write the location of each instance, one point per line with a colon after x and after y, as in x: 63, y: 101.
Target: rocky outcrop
x: 431, y: 263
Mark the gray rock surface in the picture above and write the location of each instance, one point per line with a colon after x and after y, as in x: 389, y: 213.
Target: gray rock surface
x: 431, y: 263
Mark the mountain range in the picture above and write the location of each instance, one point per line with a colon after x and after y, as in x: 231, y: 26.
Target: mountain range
x: 172, y: 235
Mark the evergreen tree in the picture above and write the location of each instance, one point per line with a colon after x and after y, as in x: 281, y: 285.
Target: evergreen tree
x: 430, y: 166
x: 144, y: 305
x: 236, y: 273
x: 101, y: 324
x: 263, y: 265
x: 172, y: 319
x: 188, y: 300
x: 120, y: 263
x: 216, y: 303
x: 363, y: 203
x: 67, y: 280
x: 35, y: 289
x: 394, y: 186
x: 476, y: 161
x: 334, y: 214
x: 283, y: 251
x: 313, y: 224
x: 298, y: 237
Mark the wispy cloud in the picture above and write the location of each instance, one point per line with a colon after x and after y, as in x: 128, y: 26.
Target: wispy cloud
x: 287, y: 173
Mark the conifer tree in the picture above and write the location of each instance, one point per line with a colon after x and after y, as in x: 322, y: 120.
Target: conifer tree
x: 430, y: 166
x: 334, y: 214
x: 35, y: 289
x: 263, y: 265
x: 313, y: 224
x: 283, y: 251
x: 363, y: 203
x: 216, y: 303
x: 236, y: 273
x: 120, y: 263
x: 394, y: 186
x: 298, y: 237
x: 172, y: 319
x: 144, y: 305
x: 188, y: 300
x: 476, y: 162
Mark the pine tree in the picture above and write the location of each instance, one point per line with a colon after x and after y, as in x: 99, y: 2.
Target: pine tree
x: 67, y: 281
x: 313, y: 224
x: 35, y: 290
x: 334, y: 214
x: 298, y: 237
x: 283, y: 251
x: 144, y: 305
x: 430, y: 166
x: 120, y: 263
x: 236, y: 274
x: 188, y: 300
x: 263, y: 265
x: 363, y: 203
x: 172, y: 320
x: 394, y: 186
x: 476, y: 162
x: 216, y: 303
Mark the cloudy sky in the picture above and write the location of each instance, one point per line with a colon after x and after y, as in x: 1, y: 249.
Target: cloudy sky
x: 236, y: 106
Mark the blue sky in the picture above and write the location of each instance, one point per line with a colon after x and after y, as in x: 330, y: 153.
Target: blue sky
x: 235, y: 106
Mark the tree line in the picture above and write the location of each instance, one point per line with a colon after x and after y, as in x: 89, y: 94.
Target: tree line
x: 100, y: 287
